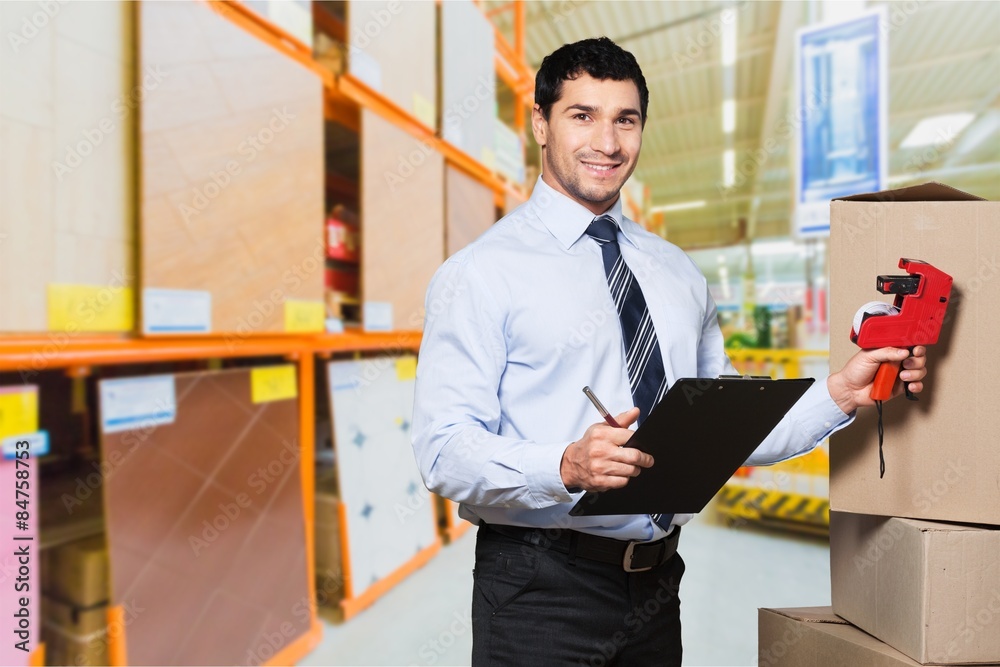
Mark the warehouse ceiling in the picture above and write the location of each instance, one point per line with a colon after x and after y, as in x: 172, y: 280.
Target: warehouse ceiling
x: 944, y: 57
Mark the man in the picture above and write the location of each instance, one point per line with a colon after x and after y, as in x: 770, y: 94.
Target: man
x: 566, y: 292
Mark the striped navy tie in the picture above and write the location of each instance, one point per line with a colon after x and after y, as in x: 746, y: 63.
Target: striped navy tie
x: 647, y: 379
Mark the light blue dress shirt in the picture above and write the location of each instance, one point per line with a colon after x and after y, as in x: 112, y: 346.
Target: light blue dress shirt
x: 518, y: 322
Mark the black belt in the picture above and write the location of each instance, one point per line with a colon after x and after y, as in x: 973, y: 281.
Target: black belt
x: 631, y: 556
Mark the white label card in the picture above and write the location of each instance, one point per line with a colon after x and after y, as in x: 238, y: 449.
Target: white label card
x: 137, y: 403
x: 176, y: 311
x: 377, y: 316
x: 38, y: 445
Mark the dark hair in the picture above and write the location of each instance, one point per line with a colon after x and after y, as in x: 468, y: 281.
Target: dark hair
x: 600, y: 58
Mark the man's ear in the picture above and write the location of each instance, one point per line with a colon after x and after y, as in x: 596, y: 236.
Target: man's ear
x: 539, y: 126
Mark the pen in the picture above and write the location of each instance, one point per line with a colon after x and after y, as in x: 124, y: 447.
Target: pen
x: 600, y: 408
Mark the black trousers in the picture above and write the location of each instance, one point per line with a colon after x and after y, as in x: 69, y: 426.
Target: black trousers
x: 535, y: 606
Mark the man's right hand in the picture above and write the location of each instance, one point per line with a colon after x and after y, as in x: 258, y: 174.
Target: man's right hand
x: 598, y: 461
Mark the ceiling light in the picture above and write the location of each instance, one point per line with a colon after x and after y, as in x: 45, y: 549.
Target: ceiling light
x: 680, y: 206
x: 728, y: 37
x: 728, y: 116
x: 940, y: 130
x: 728, y: 167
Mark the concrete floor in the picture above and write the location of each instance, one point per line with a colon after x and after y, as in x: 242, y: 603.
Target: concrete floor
x: 730, y: 573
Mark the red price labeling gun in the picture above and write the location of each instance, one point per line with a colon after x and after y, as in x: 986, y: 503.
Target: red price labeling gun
x: 914, y: 318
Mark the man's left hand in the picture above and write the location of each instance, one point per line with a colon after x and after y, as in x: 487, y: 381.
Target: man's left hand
x: 850, y: 387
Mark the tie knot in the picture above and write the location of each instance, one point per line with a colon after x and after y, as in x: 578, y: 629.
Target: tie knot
x: 603, y: 229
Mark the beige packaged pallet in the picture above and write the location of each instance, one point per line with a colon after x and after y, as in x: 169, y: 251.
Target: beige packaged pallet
x: 941, y: 455
x: 468, y: 80
x: 402, y: 219
x: 469, y: 210
x: 67, y: 195
x: 391, y: 47
x: 232, y: 179
x: 930, y: 590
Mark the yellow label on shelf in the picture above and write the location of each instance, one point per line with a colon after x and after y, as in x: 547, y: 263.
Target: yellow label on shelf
x: 304, y: 316
x: 406, y: 368
x: 273, y: 383
x: 424, y: 110
x: 489, y: 158
x: 18, y: 411
x: 92, y: 308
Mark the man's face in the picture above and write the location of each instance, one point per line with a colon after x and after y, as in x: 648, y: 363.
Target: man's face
x: 591, y: 140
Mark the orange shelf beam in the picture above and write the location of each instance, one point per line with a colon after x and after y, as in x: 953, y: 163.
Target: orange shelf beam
x: 55, y: 352
x: 360, y: 341
x: 366, y: 97
x: 36, y: 354
x: 277, y: 37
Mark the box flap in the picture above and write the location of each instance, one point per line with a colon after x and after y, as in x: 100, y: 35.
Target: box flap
x: 932, y: 191
x: 926, y: 526
x: 810, y: 614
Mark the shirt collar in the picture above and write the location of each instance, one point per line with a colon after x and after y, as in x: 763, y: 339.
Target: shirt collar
x: 566, y: 219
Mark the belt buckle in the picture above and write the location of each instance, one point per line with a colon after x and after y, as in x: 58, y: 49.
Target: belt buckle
x: 627, y: 559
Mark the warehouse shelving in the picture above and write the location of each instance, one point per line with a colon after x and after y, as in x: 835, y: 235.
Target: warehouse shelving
x: 78, y: 355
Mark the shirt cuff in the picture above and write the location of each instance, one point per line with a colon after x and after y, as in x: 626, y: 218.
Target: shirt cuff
x: 541, y: 463
x: 820, y: 415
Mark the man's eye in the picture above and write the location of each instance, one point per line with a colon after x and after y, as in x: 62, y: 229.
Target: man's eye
x: 629, y: 121
x: 581, y: 116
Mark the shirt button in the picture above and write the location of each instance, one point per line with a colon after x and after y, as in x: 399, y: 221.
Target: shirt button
x: 828, y: 424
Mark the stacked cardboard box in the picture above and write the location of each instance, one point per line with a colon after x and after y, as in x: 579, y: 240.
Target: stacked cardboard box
x: 329, y: 568
x: 915, y: 555
x: 75, y: 603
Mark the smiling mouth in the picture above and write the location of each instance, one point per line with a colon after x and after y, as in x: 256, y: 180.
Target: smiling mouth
x: 601, y: 169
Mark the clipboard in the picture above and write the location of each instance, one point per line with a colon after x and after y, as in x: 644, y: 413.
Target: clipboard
x: 699, y: 434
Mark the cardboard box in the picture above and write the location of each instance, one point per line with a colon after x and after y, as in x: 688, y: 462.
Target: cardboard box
x: 941, y: 454
x: 815, y: 637
x: 72, y: 619
x: 329, y: 572
x: 67, y: 648
x: 930, y: 590
x: 78, y: 572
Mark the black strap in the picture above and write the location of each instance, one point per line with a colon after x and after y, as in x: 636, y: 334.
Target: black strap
x: 881, y: 456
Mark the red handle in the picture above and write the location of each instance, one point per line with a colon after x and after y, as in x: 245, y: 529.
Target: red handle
x: 885, y: 378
